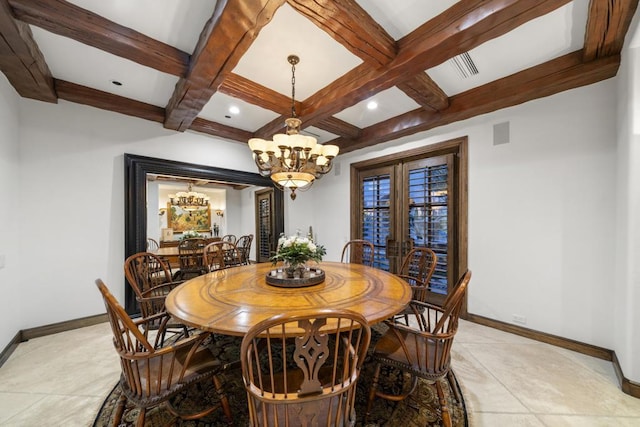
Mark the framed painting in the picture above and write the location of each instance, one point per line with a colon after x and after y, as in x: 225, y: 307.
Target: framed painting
x: 180, y: 220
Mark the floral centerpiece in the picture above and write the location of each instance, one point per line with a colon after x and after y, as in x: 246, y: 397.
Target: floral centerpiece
x: 295, y: 251
x: 190, y: 234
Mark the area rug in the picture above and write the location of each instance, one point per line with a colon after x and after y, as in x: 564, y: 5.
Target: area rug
x: 421, y: 409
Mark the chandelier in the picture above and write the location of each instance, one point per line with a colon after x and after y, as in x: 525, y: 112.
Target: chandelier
x: 292, y: 160
x: 189, y: 201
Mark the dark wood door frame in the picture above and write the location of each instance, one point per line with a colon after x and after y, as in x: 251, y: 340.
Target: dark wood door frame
x: 459, y: 148
x: 136, y: 169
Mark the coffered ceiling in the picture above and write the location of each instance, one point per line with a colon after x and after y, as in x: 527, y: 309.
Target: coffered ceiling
x: 185, y: 64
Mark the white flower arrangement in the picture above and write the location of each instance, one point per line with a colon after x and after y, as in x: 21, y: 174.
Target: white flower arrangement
x: 296, y: 250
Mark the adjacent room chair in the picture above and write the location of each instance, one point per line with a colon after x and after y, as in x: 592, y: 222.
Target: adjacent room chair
x: 190, y: 255
x: 358, y: 251
x: 301, y: 370
x: 244, y: 247
x: 231, y: 238
x: 152, y: 244
x: 152, y: 373
x: 422, y: 349
x: 417, y: 268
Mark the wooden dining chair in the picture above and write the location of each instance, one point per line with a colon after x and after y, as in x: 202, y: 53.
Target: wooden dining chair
x: 243, y: 245
x: 422, y: 348
x: 358, y: 251
x: 151, y: 281
x: 417, y: 268
x: 191, y: 258
x: 302, y: 369
x: 152, y: 373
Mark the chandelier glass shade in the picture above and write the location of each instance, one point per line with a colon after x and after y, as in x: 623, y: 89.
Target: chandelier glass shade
x: 190, y: 200
x: 292, y: 160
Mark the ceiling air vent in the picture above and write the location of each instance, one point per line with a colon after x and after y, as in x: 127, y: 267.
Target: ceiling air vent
x: 464, y: 65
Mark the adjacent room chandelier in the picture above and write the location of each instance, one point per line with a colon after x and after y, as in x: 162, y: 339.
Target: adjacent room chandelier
x: 189, y: 201
x: 292, y: 160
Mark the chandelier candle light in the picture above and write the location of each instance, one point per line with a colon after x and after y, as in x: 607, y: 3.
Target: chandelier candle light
x: 189, y: 201
x: 292, y: 160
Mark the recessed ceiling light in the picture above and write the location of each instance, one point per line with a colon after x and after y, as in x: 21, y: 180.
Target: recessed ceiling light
x: 234, y: 110
x: 372, y: 105
x: 116, y: 83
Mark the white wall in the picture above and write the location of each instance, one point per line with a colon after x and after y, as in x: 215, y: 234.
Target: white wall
x: 627, y: 284
x: 72, y: 166
x: 541, y: 209
x: 11, y: 241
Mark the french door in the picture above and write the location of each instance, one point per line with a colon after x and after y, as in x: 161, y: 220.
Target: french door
x: 414, y: 201
x: 265, y: 225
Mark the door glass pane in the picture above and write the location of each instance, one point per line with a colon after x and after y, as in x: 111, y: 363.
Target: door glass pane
x: 428, y: 216
x: 375, y: 216
x: 264, y: 230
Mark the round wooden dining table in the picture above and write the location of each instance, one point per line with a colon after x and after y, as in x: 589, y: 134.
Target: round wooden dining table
x: 232, y: 300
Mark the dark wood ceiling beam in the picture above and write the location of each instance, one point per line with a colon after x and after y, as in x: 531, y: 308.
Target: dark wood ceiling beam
x: 351, y: 26
x: 422, y: 89
x: 107, y: 101
x: 256, y: 94
x: 21, y: 60
x: 558, y: 75
x: 224, y: 39
x: 607, y: 26
x: 347, y: 23
x: 339, y: 127
x: 220, y: 130
x: 68, y: 20
x: 467, y: 24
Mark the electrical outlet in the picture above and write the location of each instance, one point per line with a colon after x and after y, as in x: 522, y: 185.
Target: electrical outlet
x: 522, y: 320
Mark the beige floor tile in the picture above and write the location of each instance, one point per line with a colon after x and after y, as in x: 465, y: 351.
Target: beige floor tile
x: 58, y: 410
x: 51, y: 365
x: 481, y: 390
x: 12, y: 404
x: 580, y: 421
x: 469, y: 332
x: 548, y: 382
x: 504, y: 420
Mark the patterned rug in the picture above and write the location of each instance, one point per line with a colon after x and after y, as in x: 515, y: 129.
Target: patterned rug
x: 421, y: 409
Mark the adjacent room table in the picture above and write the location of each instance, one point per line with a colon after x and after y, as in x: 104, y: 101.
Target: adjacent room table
x: 232, y: 300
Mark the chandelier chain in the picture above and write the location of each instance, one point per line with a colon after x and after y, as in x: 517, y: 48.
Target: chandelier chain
x: 293, y: 89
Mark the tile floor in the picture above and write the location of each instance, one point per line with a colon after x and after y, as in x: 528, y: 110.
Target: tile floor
x: 507, y: 381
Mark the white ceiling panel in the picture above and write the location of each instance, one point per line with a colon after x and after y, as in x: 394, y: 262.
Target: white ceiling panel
x: 249, y: 117
x: 518, y: 50
x: 391, y: 102
x: 400, y: 17
x: 176, y: 23
x: 87, y: 66
x: 322, y: 59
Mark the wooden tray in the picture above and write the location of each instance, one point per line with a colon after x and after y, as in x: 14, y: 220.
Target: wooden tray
x: 284, y: 282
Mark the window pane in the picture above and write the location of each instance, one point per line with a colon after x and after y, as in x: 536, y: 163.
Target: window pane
x: 375, y: 216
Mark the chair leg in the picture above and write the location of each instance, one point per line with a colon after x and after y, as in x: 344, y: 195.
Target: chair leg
x: 141, y: 417
x: 452, y: 385
x: 122, y: 402
x: 446, y: 416
x: 223, y: 398
x: 372, y: 390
